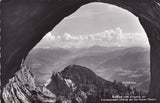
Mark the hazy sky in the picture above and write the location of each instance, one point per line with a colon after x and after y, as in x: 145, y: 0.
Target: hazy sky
x: 97, y: 24
x: 97, y: 17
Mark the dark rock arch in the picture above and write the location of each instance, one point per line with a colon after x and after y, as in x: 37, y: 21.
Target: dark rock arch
x: 25, y: 22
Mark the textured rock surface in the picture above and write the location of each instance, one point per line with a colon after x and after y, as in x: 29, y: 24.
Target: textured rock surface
x: 65, y: 89
x: 21, y: 89
x: 25, y: 22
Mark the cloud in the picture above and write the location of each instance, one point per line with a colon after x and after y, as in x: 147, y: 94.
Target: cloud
x: 49, y: 37
x: 69, y: 37
x: 113, y: 37
x: 108, y: 35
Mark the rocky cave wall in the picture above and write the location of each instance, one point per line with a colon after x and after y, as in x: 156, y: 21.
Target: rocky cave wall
x: 25, y: 22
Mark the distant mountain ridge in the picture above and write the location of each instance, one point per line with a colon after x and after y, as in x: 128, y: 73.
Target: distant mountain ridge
x: 110, y: 63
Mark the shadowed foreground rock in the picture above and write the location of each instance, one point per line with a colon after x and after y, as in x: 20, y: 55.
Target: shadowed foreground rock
x: 22, y: 89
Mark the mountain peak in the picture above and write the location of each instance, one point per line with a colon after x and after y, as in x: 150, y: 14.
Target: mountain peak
x: 78, y: 72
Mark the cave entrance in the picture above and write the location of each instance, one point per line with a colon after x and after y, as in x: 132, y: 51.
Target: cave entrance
x: 39, y: 18
x: 104, y: 38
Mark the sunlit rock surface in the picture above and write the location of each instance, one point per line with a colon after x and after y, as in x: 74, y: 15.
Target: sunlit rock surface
x: 22, y: 89
x: 65, y: 89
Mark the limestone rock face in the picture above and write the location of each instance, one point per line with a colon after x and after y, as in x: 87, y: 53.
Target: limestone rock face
x: 25, y: 22
x: 65, y: 89
x: 58, y: 85
x: 22, y: 89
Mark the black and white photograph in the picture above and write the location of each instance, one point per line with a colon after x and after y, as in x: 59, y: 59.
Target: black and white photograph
x: 80, y: 51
